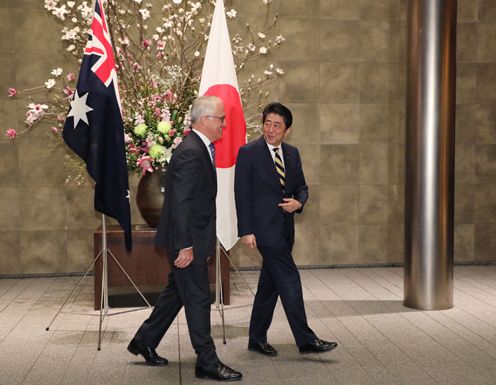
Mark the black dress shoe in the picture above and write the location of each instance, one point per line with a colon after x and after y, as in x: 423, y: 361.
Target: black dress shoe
x: 262, y: 347
x: 318, y: 346
x: 219, y: 372
x: 149, y: 354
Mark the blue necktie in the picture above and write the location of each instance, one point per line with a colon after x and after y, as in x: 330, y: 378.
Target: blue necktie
x: 212, y: 151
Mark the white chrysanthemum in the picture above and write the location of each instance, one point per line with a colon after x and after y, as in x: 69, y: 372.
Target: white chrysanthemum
x: 57, y: 72
x: 261, y: 35
x: 262, y: 50
x: 279, y: 71
x: 60, y: 12
x: 145, y: 13
x: 231, y: 14
x: 50, y: 83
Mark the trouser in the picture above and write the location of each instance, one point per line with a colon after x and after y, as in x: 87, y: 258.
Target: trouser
x: 188, y: 287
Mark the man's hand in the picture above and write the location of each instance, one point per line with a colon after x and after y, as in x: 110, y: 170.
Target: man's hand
x: 249, y: 240
x: 184, y: 258
x: 290, y: 205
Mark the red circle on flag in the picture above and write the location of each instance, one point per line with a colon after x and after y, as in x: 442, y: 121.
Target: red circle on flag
x: 234, y: 134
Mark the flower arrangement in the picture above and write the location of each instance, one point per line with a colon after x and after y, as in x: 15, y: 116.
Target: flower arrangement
x: 159, y: 57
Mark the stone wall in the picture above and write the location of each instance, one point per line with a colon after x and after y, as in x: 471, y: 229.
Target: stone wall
x: 345, y: 83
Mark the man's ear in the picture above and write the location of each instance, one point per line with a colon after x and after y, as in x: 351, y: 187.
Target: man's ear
x: 288, y: 131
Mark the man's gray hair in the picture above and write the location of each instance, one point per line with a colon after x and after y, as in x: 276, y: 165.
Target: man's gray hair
x: 204, y: 105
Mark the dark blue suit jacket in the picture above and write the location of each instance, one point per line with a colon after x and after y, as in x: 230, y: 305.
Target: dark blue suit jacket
x: 188, y: 214
x: 258, y: 192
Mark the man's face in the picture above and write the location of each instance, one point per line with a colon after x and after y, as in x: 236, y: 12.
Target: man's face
x: 274, y: 129
x: 214, y: 123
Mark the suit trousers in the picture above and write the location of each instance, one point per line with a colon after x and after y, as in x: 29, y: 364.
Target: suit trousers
x: 188, y: 287
x: 279, y: 276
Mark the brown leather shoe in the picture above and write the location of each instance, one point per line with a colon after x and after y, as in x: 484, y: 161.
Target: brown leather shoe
x: 263, y: 348
x: 219, y: 372
x: 318, y: 346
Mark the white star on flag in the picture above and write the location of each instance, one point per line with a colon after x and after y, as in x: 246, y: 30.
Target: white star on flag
x: 79, y: 109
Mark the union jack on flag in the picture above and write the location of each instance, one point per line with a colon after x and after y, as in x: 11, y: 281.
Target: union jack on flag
x: 94, y: 129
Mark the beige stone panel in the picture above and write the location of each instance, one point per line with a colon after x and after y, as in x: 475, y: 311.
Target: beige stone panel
x: 339, y: 243
x: 339, y: 203
x: 250, y: 9
x: 396, y: 164
x: 373, y: 201
x: 467, y: 10
x: 464, y: 203
x: 41, y: 165
x: 466, y: 80
x: 468, y: 122
x: 305, y: 128
x: 465, y: 163
x: 341, y: 9
x: 484, y: 123
x: 33, y: 68
x: 381, y: 10
x: 311, y: 211
x: 8, y: 117
x: 340, y: 41
x: 339, y: 123
x: 485, y: 163
x: 300, y: 82
x: 373, y: 243
x: 374, y: 41
x: 80, y: 212
x: 466, y: 42
x: 486, y: 75
x: 301, y: 39
x: 306, y: 249
x: 464, y: 243
x: 42, y: 208
x: 339, y: 83
x: 373, y: 163
x: 396, y: 243
x: 7, y: 74
x: 37, y: 31
x: 339, y: 163
x: 9, y: 209
x: 396, y: 204
x: 397, y: 82
x: 486, y: 43
x: 485, y: 242
x: 9, y: 165
x: 374, y: 123
x: 7, y: 25
x: 373, y: 81
x: 10, y: 262
x: 79, y: 250
x: 397, y: 121
x: 43, y: 251
x: 403, y: 9
x: 484, y: 196
x: 302, y: 9
x: 487, y: 11
x: 34, y: 4
x: 310, y: 159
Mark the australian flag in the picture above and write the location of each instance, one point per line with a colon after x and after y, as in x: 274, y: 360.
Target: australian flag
x: 94, y: 128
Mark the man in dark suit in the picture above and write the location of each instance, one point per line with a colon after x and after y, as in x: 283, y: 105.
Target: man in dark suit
x: 187, y: 232
x: 269, y: 188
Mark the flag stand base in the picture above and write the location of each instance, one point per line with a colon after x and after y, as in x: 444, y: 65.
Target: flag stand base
x: 104, y: 306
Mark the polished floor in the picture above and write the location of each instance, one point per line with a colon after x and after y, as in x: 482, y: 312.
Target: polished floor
x: 380, y: 341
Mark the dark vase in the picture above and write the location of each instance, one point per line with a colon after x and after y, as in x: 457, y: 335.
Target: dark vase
x: 150, y: 196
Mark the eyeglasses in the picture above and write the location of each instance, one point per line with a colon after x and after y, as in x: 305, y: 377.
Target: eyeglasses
x: 222, y: 118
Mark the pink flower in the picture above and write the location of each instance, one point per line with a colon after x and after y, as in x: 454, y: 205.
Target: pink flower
x: 146, y: 43
x: 145, y: 163
x: 186, y: 132
x: 172, y: 133
x: 157, y: 112
x: 176, y: 142
x: 168, y: 95
x: 60, y: 118
x: 70, y: 77
x: 68, y: 91
x: 136, y: 66
x: 55, y: 130
x: 12, y: 92
x: 11, y: 133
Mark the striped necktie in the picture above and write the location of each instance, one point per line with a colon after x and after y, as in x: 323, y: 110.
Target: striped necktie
x: 212, y: 151
x: 280, y: 168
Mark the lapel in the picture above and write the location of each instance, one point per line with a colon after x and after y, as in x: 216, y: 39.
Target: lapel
x: 268, y: 163
x: 206, y: 155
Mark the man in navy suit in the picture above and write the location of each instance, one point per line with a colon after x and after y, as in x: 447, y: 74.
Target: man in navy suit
x: 269, y: 188
x: 187, y: 232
